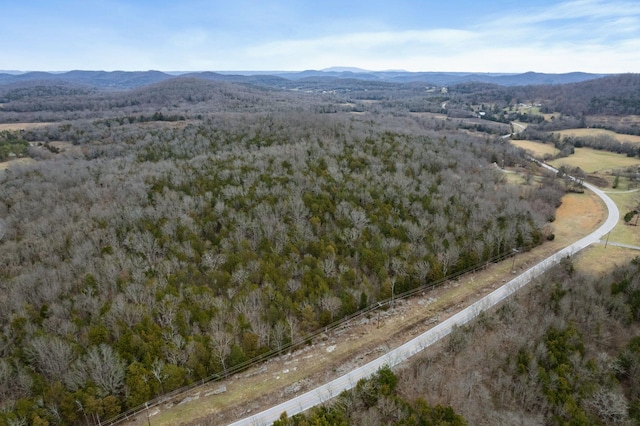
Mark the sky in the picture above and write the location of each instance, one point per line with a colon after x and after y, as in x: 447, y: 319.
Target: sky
x: 294, y: 35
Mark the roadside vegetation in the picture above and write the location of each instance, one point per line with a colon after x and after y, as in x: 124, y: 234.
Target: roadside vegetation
x: 561, y: 352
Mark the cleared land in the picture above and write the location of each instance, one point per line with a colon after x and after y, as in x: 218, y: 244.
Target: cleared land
x: 583, y: 133
x: 626, y: 233
x: 21, y: 126
x: 14, y: 163
x: 591, y: 160
x: 537, y: 149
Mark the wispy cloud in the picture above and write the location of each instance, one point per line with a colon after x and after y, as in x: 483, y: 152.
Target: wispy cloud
x: 574, y: 35
x: 551, y: 36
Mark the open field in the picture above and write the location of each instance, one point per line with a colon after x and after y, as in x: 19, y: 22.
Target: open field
x: 537, y: 149
x: 21, y: 126
x: 626, y: 234
x: 430, y: 115
x: 600, y: 258
x: 583, y: 133
x: 591, y: 160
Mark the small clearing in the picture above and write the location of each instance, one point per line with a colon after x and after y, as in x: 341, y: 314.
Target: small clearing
x: 537, y: 149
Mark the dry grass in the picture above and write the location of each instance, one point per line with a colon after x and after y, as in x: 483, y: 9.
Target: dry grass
x: 21, y: 126
x: 599, y: 259
x: 578, y: 212
x: 623, y: 233
x: 18, y: 161
x: 429, y: 115
x: 582, y: 133
x: 537, y: 149
x: 591, y: 160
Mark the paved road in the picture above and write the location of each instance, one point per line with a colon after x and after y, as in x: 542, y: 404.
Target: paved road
x: 412, y: 347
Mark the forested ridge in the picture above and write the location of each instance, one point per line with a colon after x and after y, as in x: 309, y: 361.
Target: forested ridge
x: 162, y: 250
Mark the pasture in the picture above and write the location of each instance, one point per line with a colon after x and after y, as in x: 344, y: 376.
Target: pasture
x: 537, y: 149
x: 591, y: 160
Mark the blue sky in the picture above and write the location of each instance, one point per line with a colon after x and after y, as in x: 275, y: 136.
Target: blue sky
x: 291, y: 35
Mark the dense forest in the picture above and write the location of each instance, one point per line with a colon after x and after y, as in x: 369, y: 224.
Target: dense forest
x: 168, y: 233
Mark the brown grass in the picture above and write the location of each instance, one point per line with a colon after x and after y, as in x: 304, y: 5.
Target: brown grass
x: 18, y: 161
x: 430, y: 115
x: 599, y: 259
x: 537, y: 149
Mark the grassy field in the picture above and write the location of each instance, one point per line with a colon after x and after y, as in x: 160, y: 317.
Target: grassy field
x: 624, y: 233
x: 537, y: 149
x: 591, y: 160
x: 582, y: 133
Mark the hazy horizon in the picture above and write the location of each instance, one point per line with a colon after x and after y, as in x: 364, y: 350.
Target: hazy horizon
x: 266, y: 72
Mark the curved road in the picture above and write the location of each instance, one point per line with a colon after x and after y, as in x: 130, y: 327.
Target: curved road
x: 412, y: 347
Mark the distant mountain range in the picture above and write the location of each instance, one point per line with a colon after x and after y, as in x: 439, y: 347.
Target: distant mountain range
x: 135, y: 79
